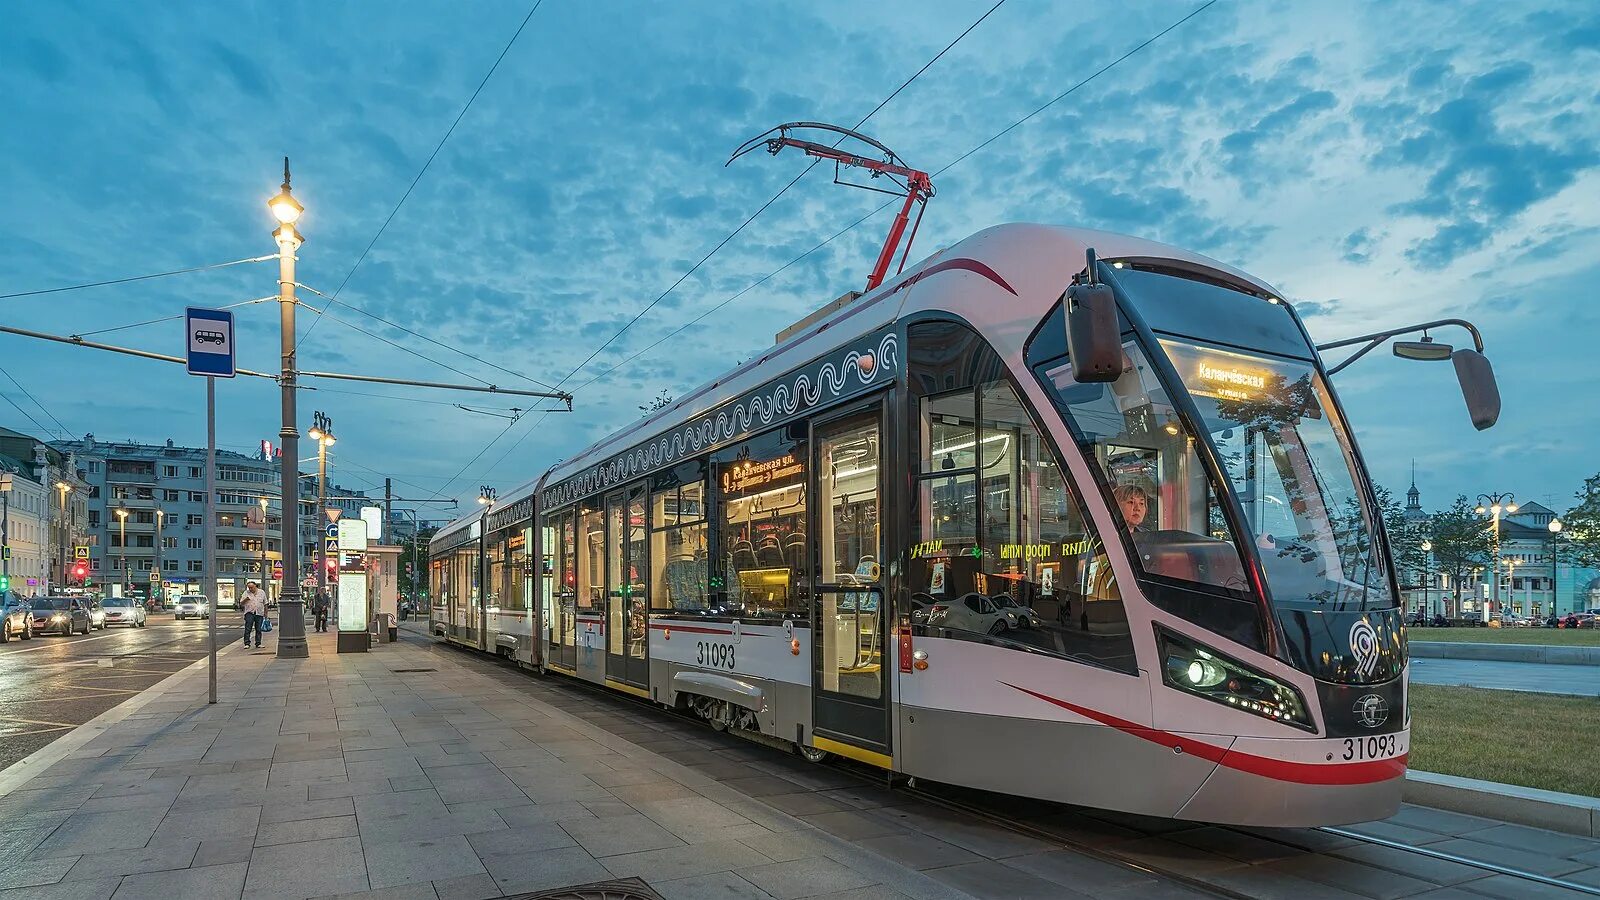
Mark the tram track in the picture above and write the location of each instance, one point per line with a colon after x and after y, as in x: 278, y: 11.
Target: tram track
x: 1026, y: 825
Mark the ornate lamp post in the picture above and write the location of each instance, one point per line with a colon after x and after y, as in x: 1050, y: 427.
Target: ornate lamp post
x: 122, y: 542
x: 1494, y: 504
x: 1555, y: 527
x: 291, y: 609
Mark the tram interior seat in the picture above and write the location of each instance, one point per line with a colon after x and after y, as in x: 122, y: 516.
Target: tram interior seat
x: 770, y: 555
x: 1192, y: 557
x: 794, y: 553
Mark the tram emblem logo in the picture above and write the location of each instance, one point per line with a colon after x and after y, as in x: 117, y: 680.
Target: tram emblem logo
x: 1371, y: 710
x: 1364, y: 647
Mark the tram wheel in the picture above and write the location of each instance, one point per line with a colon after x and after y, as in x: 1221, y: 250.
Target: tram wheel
x: 811, y: 754
x: 721, y: 715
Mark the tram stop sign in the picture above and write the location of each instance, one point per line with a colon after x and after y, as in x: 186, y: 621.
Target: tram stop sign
x: 209, y: 339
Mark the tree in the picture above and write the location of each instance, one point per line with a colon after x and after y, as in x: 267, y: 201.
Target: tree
x: 658, y: 402
x: 414, y: 563
x: 1582, y: 524
x: 1462, y: 541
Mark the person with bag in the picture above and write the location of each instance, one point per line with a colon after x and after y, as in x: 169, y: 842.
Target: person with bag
x: 319, y: 608
x: 255, y: 610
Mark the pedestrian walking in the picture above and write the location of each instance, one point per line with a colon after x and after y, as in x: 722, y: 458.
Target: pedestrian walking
x: 319, y: 608
x: 255, y: 609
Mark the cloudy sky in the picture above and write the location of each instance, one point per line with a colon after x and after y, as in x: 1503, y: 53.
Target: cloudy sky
x: 1380, y: 163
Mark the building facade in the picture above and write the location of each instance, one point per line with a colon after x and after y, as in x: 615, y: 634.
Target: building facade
x: 146, y: 513
x: 45, y: 513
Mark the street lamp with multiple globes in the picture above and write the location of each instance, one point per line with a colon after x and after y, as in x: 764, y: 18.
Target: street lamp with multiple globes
x: 1555, y: 527
x: 322, y: 432
x: 1427, y: 576
x: 291, y: 609
x: 1494, y: 504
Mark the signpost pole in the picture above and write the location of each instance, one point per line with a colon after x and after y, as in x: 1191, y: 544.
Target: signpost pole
x: 211, y: 524
x: 208, y: 337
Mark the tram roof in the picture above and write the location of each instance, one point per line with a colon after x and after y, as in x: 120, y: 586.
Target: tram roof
x: 1036, y: 261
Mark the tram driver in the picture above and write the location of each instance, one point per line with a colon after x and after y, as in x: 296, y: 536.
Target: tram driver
x: 1135, y: 503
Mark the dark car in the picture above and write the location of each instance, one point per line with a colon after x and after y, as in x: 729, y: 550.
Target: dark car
x: 63, y: 615
x: 17, y: 618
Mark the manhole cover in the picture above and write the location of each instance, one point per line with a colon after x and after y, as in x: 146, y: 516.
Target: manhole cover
x: 621, y: 889
x: 403, y: 671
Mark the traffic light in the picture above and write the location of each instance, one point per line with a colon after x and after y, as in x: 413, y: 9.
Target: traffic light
x: 5, y: 582
x: 333, y: 564
x: 80, y: 571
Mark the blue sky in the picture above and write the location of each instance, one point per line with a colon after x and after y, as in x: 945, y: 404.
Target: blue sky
x: 1380, y: 163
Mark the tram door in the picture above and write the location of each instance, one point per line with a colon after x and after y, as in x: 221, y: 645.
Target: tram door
x: 626, y: 603
x: 849, y: 679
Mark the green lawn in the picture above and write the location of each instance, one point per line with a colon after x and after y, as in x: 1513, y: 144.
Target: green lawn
x: 1564, y: 637
x: 1535, y: 740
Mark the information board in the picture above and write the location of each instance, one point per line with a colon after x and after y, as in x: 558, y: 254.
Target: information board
x: 353, y: 601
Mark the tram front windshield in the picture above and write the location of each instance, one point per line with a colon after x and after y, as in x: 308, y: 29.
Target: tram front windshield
x: 1284, y: 456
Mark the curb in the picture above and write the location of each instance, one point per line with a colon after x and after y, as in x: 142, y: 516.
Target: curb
x: 19, y: 773
x: 1550, y: 810
x: 1521, y: 653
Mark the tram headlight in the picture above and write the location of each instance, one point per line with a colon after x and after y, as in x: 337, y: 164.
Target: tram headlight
x: 1203, y: 672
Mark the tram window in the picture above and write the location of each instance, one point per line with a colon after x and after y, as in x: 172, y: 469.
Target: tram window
x: 1001, y: 551
x: 495, y: 562
x: 591, y: 555
x: 1132, y: 431
x: 635, y: 593
x: 761, y: 500
x: 567, y: 565
x: 616, y: 569
x: 678, y: 549
x: 950, y: 430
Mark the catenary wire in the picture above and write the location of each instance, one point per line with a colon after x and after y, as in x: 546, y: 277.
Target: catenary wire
x: 66, y: 433
x: 84, y: 334
x: 424, y: 170
x: 371, y: 315
x: 947, y: 167
x: 94, y: 284
x: 792, y: 182
x: 26, y: 414
x: 785, y: 189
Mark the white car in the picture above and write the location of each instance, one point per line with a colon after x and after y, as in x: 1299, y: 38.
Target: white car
x: 123, y: 611
x: 197, y: 605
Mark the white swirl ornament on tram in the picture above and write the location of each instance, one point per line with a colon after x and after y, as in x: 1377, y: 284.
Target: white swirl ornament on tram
x: 1364, y: 647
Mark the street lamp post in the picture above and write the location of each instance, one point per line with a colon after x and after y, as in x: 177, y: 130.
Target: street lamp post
x: 5, y: 529
x: 161, y: 577
x: 1427, y: 577
x: 1494, y: 504
x: 65, y: 489
x: 1555, y: 527
x: 266, y: 576
x: 322, y: 432
x: 122, y: 545
x: 291, y: 610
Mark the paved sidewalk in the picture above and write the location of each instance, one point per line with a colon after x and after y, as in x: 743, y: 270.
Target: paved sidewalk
x: 347, y: 774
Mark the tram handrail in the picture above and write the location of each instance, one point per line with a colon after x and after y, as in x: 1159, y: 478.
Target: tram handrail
x: 877, y: 636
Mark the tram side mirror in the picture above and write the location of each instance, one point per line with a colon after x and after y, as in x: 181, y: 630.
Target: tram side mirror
x: 1427, y: 349
x: 1478, y: 387
x: 1094, y: 342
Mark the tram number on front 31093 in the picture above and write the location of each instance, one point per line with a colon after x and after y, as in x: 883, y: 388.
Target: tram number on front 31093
x: 1378, y: 746
x: 711, y: 653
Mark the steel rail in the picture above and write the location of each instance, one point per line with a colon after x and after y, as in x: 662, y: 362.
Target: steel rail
x: 1487, y: 866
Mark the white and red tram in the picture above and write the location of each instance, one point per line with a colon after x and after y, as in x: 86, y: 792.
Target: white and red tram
x: 908, y: 535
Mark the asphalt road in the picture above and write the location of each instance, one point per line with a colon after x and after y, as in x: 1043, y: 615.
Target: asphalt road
x: 51, y: 684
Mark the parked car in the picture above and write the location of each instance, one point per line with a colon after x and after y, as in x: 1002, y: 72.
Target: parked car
x: 16, y: 619
x: 124, y: 611
x: 197, y: 605
x: 97, y: 613
x: 63, y: 615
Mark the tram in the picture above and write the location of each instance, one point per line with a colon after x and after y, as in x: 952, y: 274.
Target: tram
x: 1147, y: 575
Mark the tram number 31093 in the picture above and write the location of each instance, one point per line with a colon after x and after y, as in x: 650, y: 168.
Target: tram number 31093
x: 711, y: 653
x: 1378, y: 746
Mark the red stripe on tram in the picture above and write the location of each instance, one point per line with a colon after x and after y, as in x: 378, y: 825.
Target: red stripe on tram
x: 1368, y: 772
